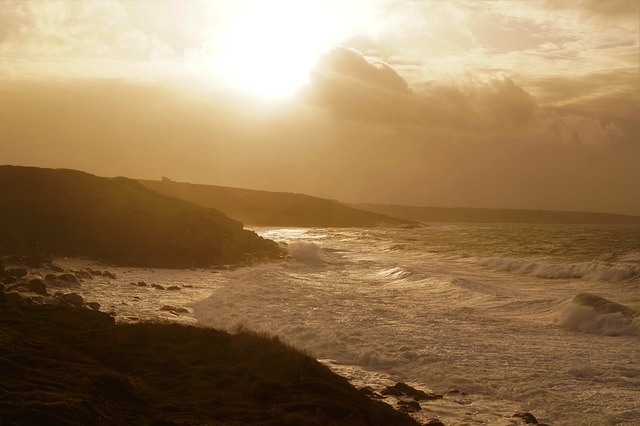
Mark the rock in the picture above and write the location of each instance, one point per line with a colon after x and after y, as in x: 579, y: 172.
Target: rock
x: 433, y: 422
x: 109, y: 275
x: 158, y: 286
x: 83, y: 274
x: 70, y: 278
x: 187, y: 286
x: 403, y: 389
x: 15, y: 272
x: 174, y: 309
x: 409, y: 406
x: 15, y: 298
x: 56, y: 268
x: 173, y: 288
x: 528, y: 418
x: 141, y: 284
x: 94, y: 306
x: 37, y: 286
x: 73, y: 299
x: 9, y: 280
x: 50, y: 277
x: 368, y: 391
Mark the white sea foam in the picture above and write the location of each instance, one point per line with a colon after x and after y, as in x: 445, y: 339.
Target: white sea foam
x: 594, y: 314
x: 589, y: 320
x: 595, y: 270
x: 307, y: 252
x: 429, y: 313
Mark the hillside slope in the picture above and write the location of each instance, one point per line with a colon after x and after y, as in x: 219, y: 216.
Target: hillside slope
x: 474, y: 215
x: 71, y: 366
x: 72, y: 213
x: 264, y: 208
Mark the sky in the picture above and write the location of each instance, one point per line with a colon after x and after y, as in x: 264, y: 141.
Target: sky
x: 449, y: 103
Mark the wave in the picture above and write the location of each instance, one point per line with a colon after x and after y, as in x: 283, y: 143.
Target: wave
x: 395, y: 273
x: 593, y: 314
x: 306, y: 252
x: 598, y: 271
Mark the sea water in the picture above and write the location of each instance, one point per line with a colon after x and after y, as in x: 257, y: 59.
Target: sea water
x: 482, y: 310
x: 483, y: 314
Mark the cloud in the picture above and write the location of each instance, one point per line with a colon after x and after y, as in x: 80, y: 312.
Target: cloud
x: 143, y: 131
x: 353, y: 86
x: 66, y: 36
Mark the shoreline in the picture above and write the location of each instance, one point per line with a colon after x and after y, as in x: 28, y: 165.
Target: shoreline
x: 304, y: 390
x: 427, y: 410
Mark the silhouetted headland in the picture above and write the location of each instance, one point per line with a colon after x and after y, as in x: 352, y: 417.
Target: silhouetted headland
x: 265, y: 208
x: 477, y: 215
x: 117, y: 220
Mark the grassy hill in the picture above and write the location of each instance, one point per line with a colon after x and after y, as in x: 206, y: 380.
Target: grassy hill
x: 72, y: 213
x: 461, y: 215
x: 69, y: 366
x: 264, y: 208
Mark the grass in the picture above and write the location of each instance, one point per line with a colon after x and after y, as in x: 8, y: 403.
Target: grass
x: 63, y: 366
x: 71, y: 213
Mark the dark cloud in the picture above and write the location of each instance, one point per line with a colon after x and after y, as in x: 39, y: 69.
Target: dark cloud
x: 352, y: 86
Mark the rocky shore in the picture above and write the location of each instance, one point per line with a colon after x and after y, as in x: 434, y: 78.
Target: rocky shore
x: 64, y: 362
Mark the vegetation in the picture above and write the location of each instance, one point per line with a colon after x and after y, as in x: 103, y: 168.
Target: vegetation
x: 264, y: 208
x: 71, y: 213
x: 68, y: 366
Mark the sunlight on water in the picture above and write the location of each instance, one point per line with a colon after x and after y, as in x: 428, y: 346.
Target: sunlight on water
x: 489, y: 312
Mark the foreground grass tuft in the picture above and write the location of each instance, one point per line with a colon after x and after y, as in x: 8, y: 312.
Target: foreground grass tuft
x: 62, y: 366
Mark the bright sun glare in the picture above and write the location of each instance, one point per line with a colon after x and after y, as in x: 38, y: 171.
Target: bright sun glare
x: 269, y: 47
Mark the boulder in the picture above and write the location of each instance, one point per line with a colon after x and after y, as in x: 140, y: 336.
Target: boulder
x: 368, y: 391
x: 109, y: 275
x: 409, y: 406
x: 142, y: 284
x: 94, y: 306
x: 69, y: 278
x: 36, y: 286
x: 528, y: 418
x: 433, y: 422
x: 173, y: 288
x: 9, y: 280
x: 174, y: 310
x: 83, y: 274
x: 73, y: 299
x: 15, y: 272
x: 16, y: 298
x: 157, y: 286
x: 403, y: 389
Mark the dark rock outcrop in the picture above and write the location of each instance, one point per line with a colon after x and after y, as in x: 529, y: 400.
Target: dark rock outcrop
x: 528, y: 418
x: 37, y: 286
x: 402, y: 389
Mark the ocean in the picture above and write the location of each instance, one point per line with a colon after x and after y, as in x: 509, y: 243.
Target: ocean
x: 483, y: 314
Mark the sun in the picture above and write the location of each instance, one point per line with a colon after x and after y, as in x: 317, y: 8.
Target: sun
x: 269, y: 47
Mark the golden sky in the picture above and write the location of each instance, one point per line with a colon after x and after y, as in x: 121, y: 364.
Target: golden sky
x: 505, y: 104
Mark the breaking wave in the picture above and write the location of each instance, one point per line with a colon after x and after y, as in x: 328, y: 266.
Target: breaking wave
x: 598, y: 271
x: 596, y: 315
x: 306, y: 252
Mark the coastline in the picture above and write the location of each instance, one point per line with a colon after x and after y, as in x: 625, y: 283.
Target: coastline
x: 425, y: 407
x: 68, y: 363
